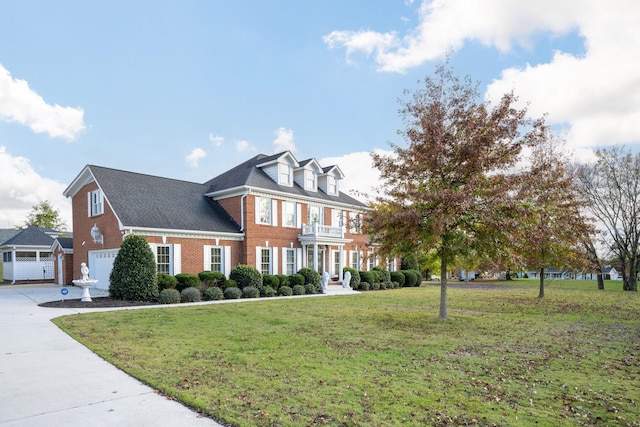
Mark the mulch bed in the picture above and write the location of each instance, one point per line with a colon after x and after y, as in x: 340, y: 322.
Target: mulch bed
x: 96, y: 302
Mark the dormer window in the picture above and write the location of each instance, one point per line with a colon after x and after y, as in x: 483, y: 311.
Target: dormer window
x: 332, y: 185
x: 285, y: 175
x: 309, y: 180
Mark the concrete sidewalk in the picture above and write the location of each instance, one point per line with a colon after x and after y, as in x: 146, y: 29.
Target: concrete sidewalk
x: 49, y: 379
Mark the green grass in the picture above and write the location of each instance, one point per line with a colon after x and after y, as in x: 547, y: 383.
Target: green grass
x: 383, y: 358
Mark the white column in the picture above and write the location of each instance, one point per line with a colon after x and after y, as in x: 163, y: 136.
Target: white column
x: 341, y: 263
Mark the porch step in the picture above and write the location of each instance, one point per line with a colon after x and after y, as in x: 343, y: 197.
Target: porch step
x: 335, y: 288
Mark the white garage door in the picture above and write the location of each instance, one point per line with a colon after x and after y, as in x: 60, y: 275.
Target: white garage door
x: 100, y: 265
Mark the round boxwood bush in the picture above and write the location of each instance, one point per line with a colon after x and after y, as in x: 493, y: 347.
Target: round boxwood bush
x: 186, y: 280
x: 166, y: 281
x: 286, y: 291
x: 134, y: 277
x: 355, y: 277
x: 213, y: 294
x: 270, y: 280
x: 268, y: 291
x: 245, y: 275
x: 310, y: 289
x: 367, y: 276
x: 211, y: 278
x: 283, y: 279
x: 295, y: 279
x: 190, y: 294
x: 310, y: 276
x: 299, y: 290
x: 169, y: 296
x: 375, y: 286
x: 398, y: 277
x: 229, y: 283
x: 383, y: 274
x: 232, y: 293
x: 365, y: 286
x: 409, y: 278
x: 250, y: 292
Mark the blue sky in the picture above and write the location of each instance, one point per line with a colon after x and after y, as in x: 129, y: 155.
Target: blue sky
x: 187, y: 89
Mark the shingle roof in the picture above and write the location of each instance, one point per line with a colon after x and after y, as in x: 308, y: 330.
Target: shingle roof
x: 154, y: 202
x: 247, y: 174
x: 65, y: 242
x: 30, y: 236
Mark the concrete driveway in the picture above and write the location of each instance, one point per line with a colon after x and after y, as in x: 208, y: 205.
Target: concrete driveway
x: 49, y: 379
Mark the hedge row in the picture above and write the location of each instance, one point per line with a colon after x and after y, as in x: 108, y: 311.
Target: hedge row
x: 381, y: 278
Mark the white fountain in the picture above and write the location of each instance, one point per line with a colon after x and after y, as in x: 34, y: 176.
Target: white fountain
x: 85, y: 283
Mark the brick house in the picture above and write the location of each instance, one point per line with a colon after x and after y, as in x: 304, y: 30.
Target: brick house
x: 271, y: 212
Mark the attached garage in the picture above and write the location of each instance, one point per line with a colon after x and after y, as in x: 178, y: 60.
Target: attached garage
x: 100, y: 266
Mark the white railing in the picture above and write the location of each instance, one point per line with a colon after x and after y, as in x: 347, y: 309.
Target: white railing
x: 319, y: 230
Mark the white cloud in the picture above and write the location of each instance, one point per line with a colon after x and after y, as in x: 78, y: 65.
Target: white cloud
x: 361, y: 178
x: 243, y: 145
x: 284, y: 140
x: 194, y: 157
x: 216, y: 139
x: 594, y: 96
x: 19, y: 103
x: 21, y: 188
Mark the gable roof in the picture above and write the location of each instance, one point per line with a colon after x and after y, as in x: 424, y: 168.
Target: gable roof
x: 65, y: 243
x: 249, y: 175
x: 31, y: 236
x: 148, y: 201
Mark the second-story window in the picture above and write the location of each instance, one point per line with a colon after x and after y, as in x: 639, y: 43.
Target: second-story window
x: 263, y: 204
x: 332, y: 185
x: 285, y: 174
x: 316, y: 215
x: 336, y: 218
x: 289, y: 214
x: 309, y: 181
x: 96, y: 201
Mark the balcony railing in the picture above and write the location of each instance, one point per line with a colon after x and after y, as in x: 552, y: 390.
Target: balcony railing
x: 319, y: 230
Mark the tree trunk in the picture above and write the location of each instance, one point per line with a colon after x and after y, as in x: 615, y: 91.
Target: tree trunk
x: 541, y: 294
x: 443, y: 287
x: 600, y: 281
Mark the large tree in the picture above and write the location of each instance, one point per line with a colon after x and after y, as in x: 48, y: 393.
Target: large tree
x: 612, y: 188
x: 450, y: 188
x: 44, y: 215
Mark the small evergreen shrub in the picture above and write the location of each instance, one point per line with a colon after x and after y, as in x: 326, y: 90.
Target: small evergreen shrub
x: 295, y: 279
x: 383, y: 274
x: 310, y: 289
x: 367, y: 276
x: 383, y: 285
x: 186, y: 280
x: 284, y: 280
x: 250, y: 292
x: 409, y: 278
x: 364, y: 286
x: 213, y: 294
x: 418, y: 276
x: 245, y: 275
x: 355, y: 277
x: 134, y: 276
x: 268, y: 291
x: 229, y: 283
x: 211, y: 278
x: 169, y: 296
x: 166, y: 281
x: 310, y: 276
x: 375, y: 286
x: 395, y: 285
x: 286, y: 291
x: 270, y: 280
x: 232, y: 293
x: 398, y: 277
x: 190, y: 294
x: 298, y: 290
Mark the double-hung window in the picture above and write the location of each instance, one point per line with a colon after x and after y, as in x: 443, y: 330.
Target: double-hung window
x: 265, y: 260
x: 263, y: 205
x: 355, y: 260
x: 332, y: 185
x: 96, y: 203
x: 284, y: 174
x: 316, y: 215
x: 289, y: 214
x: 163, y: 259
x: 290, y: 263
x: 215, y: 259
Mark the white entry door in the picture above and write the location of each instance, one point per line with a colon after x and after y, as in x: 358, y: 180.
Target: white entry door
x: 100, y: 265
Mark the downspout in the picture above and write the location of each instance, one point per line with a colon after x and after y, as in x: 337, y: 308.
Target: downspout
x: 242, y: 209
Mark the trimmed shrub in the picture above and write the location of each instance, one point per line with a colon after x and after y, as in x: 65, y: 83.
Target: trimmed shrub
x: 186, y: 280
x: 169, y: 296
x: 211, y: 278
x: 166, y: 281
x: 213, y: 294
x: 250, y: 292
x: 229, y: 283
x: 367, y: 276
x: 398, y: 277
x: 286, y: 291
x: 270, y: 280
x: 311, y: 276
x: 355, y: 277
x: 310, y: 289
x: 410, y: 278
x: 284, y: 280
x: 383, y: 285
x: 383, y: 274
x: 418, y: 276
x: 395, y: 285
x: 375, y: 286
x: 245, y: 275
x: 299, y: 289
x: 295, y: 279
x: 232, y: 293
x: 190, y: 294
x: 134, y: 277
x: 268, y: 291
x: 364, y: 286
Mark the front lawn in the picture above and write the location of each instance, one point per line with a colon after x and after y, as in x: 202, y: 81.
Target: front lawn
x: 383, y: 358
